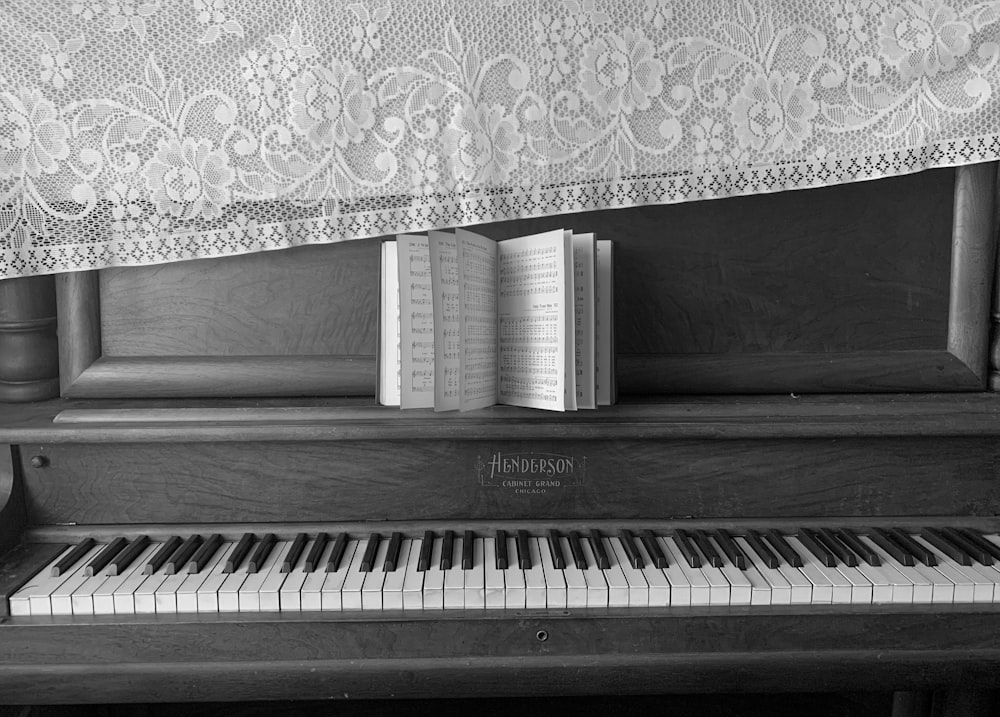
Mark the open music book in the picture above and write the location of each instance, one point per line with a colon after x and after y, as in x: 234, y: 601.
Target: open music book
x: 468, y: 322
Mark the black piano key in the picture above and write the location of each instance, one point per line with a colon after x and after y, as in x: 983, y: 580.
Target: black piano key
x: 555, y: 550
x: 178, y: 560
x: 921, y: 553
x: 576, y: 547
x: 786, y: 551
x: 240, y: 552
x: 447, y: 548
x: 523, y: 554
x: 104, y: 557
x: 756, y: 541
x: 468, y: 547
x: 687, y: 548
x: 884, y: 541
x: 294, y: 551
x: 631, y: 551
x: 652, y: 546
x: 316, y: 552
x: 848, y: 537
x: 832, y: 543
x: 392, y: 553
x: 161, y: 555
x: 730, y: 548
x: 368, y: 559
x: 704, y: 544
x: 200, y: 559
x: 264, y: 548
x: 600, y: 555
x: 808, y: 539
x: 502, y: 557
x: 982, y: 542
x: 337, y: 554
x: 952, y: 550
x: 72, y: 557
x: 128, y: 555
x: 978, y: 554
x: 426, y: 546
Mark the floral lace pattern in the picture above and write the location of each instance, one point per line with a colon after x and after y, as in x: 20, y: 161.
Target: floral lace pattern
x: 145, y: 131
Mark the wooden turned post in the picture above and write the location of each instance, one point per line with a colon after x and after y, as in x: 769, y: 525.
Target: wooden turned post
x: 29, y: 349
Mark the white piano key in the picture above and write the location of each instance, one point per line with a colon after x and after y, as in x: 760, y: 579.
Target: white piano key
x: 862, y: 589
x: 681, y: 590
x: 970, y: 585
x: 352, y: 582
x: 719, y: 592
x: 454, y: 579
x: 310, y: 594
x: 638, y: 588
x: 269, y: 593
x: 249, y: 592
x: 534, y: 578
x: 106, y: 596
x: 144, y: 597
x: 513, y: 576
x: 493, y: 576
x: 921, y: 589
x: 33, y: 597
x: 614, y: 576
x: 597, y: 586
x: 165, y: 596
x: 433, y: 597
x: 882, y: 582
x: 413, y: 579
x: 374, y: 583
x: 760, y: 589
x: 822, y: 587
x: 392, y: 590
x: 778, y: 589
x: 290, y: 594
x: 576, y: 582
x: 475, y: 577
x: 187, y: 593
x: 208, y: 593
x: 658, y: 585
x: 555, y: 582
x: 740, y: 588
x: 61, y: 598
x: 332, y: 590
x: 840, y: 589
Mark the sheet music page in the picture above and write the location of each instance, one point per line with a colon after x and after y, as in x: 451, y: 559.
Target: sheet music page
x: 584, y: 256
x: 447, y: 325
x: 416, y: 322
x: 604, y: 323
x: 389, y: 329
x: 531, y: 298
x: 569, y: 325
x: 477, y: 272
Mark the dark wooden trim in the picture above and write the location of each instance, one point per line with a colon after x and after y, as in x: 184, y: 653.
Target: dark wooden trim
x: 181, y: 376
x: 87, y: 373
x: 29, y: 354
x: 12, y: 514
x: 708, y: 417
x: 867, y: 372
x: 79, y: 305
x: 972, y: 267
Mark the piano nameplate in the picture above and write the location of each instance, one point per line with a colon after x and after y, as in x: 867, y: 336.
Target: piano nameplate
x: 530, y: 473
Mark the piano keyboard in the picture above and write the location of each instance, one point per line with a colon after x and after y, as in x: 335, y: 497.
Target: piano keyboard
x: 515, y: 570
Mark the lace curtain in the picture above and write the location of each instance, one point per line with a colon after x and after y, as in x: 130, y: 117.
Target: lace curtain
x: 143, y: 131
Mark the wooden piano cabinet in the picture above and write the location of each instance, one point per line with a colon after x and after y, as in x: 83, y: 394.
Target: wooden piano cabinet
x: 877, y: 286
x: 29, y: 356
x: 810, y: 357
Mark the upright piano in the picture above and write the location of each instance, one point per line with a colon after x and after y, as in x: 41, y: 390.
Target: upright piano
x: 797, y: 489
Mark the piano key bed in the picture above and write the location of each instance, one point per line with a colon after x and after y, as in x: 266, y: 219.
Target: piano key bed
x: 505, y: 569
